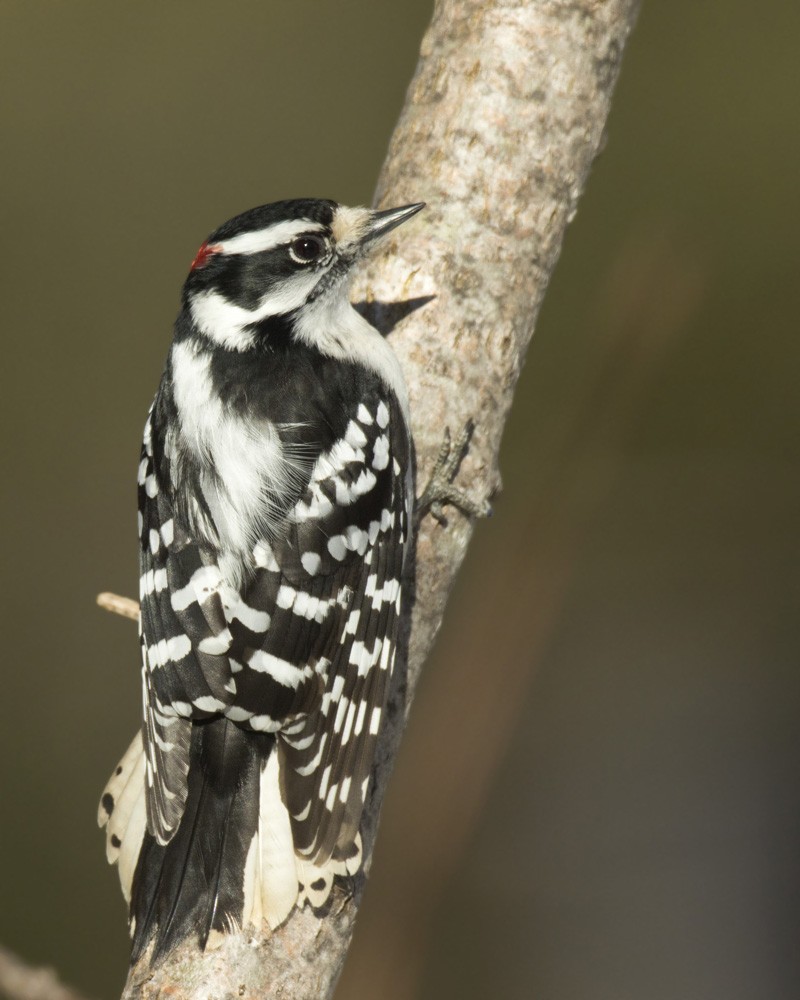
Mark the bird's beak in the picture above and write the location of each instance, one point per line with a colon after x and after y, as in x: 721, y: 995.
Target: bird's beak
x: 384, y: 222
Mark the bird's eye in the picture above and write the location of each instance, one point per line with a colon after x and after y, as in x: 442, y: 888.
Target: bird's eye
x: 307, y: 249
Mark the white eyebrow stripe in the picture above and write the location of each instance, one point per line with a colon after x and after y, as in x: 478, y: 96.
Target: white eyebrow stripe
x: 269, y: 238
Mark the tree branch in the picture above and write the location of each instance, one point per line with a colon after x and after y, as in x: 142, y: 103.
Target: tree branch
x: 637, y: 327
x: 19, y: 981
x: 124, y: 606
x: 502, y: 121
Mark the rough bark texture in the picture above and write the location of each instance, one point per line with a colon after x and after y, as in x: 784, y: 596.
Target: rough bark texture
x: 502, y: 121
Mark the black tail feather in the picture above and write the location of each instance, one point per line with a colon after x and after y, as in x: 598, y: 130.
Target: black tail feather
x: 194, y: 884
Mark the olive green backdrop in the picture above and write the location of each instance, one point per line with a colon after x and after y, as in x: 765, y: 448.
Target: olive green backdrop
x: 639, y: 836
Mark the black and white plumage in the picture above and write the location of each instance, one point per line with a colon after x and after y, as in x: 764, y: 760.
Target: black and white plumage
x: 275, y: 493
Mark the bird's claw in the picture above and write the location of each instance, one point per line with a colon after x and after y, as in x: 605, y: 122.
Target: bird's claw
x: 440, y: 489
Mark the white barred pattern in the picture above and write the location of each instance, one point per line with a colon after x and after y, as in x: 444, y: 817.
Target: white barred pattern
x: 274, y: 492
x: 243, y: 673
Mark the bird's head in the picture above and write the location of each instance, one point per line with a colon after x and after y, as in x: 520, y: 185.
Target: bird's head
x: 277, y: 259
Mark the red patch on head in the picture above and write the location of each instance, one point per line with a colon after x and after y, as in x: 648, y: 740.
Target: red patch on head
x: 205, y: 251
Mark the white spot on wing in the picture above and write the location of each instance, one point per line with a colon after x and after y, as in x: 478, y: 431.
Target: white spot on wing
x: 337, y: 547
x: 204, y: 582
x: 380, y: 452
x: 326, y: 777
x: 216, y: 644
x: 264, y: 724
x: 354, y: 436
x: 209, y: 704
x: 251, y: 618
x: 362, y: 711
x: 337, y: 688
x: 285, y: 598
x: 356, y: 539
x: 280, y: 670
x: 352, y: 622
x: 310, y: 562
x: 168, y: 650
x: 313, y: 764
x: 348, y: 725
x: 236, y: 714
x: 303, y: 814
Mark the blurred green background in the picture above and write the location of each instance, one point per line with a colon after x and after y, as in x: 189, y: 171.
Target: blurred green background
x: 598, y: 795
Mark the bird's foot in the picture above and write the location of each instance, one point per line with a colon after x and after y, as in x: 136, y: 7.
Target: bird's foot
x: 440, y: 489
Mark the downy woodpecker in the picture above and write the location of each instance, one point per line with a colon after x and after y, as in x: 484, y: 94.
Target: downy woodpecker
x: 275, y: 502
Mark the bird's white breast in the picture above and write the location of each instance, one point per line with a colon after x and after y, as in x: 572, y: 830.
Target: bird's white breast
x: 246, y: 470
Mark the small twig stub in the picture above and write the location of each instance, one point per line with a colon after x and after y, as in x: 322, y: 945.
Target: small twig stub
x: 124, y: 606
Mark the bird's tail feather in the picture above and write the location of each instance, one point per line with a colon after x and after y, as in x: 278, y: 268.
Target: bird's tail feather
x: 231, y: 862
x: 193, y: 884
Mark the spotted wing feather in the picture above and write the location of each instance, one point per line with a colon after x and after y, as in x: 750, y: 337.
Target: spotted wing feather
x: 327, y: 751
x: 305, y: 647
x: 183, y: 639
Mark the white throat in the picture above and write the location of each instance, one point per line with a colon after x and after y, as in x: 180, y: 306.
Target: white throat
x: 333, y: 327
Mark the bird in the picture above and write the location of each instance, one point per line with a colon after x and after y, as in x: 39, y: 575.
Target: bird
x: 276, y: 492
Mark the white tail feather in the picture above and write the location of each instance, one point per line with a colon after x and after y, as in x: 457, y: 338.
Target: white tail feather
x: 132, y: 844
x: 123, y: 812
x: 276, y: 879
x: 120, y: 778
x: 270, y: 861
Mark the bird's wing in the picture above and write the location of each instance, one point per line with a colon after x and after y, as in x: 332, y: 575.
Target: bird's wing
x: 305, y: 647
x: 352, y: 532
x: 184, y: 638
